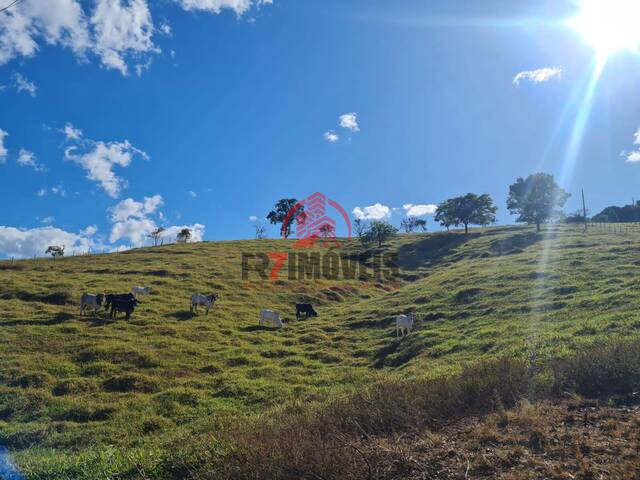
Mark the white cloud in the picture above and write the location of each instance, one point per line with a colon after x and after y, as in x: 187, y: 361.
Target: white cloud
x: 99, y: 159
x: 193, y: 194
x: 122, y: 30
x: 373, y: 212
x: 59, y: 190
x: 132, y: 222
x: 129, y: 208
x: 634, y: 155
x: 23, y: 85
x: 253, y: 218
x: 165, y: 29
x: 538, y: 76
x: 28, y: 159
x: 33, y: 22
x: 349, y: 121
x: 71, y: 132
x: 116, y: 30
x: 216, y: 6
x: 419, y: 210
x: 20, y: 243
x: 3, y: 149
x: 331, y: 136
x: 170, y: 233
x: 47, y: 220
x: 135, y: 230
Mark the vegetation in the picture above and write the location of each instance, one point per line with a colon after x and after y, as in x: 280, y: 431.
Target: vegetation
x: 502, y: 314
x: 379, y: 232
x: 413, y: 224
x: 285, y: 214
x: 470, y: 209
x: 55, y: 251
x: 628, y: 213
x: 183, y: 236
x: 537, y: 199
x: 156, y: 234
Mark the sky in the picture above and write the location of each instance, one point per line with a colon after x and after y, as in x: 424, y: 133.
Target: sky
x: 119, y: 116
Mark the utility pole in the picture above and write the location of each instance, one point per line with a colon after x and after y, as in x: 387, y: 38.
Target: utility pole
x: 584, y: 211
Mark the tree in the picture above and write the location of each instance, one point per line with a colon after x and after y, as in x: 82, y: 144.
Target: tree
x: 55, y: 251
x: 537, y: 199
x: 379, y: 232
x: 470, y: 209
x: 184, y: 236
x: 155, y: 235
x: 359, y: 227
x: 411, y: 224
x: 284, y: 214
x: 261, y: 231
x: 327, y: 231
x: 576, y: 217
x: 444, y: 214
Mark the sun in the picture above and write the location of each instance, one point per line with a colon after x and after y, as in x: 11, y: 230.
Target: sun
x: 610, y: 26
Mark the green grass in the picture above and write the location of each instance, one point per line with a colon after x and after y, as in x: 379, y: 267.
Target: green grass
x: 84, y: 397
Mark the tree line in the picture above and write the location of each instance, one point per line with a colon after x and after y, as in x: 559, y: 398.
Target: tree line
x: 535, y: 200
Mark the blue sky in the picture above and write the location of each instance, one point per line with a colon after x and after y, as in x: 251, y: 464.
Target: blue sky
x: 119, y: 116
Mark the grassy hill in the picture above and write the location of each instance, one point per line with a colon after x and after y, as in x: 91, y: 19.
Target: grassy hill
x: 85, y: 397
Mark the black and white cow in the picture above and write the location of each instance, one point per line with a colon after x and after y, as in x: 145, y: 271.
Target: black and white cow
x: 305, y: 309
x: 205, y: 301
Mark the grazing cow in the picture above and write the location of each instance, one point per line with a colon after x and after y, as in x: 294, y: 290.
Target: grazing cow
x: 205, y: 301
x: 305, y: 309
x: 140, y: 291
x: 109, y: 298
x: 122, y: 304
x: 404, y: 324
x: 92, y: 302
x: 269, y: 317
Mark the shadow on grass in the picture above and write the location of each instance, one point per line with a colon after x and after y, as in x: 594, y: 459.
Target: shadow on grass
x: 57, y: 319
x: 399, y: 352
x: 431, y: 250
x: 184, y: 315
x: 517, y: 243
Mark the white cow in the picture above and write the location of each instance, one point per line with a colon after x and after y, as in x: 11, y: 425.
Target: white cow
x: 269, y: 317
x: 205, y: 301
x: 404, y: 324
x: 92, y: 302
x: 141, y: 291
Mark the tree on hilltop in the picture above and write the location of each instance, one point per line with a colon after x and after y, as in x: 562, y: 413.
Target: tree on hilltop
x: 536, y: 199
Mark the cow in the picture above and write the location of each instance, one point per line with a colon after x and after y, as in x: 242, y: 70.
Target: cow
x: 305, y: 309
x: 109, y: 298
x: 404, y: 324
x: 123, y: 304
x: 206, y: 301
x: 92, y: 302
x: 140, y: 291
x: 271, y: 318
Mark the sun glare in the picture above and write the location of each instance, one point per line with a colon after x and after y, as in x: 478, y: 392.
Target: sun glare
x: 610, y: 26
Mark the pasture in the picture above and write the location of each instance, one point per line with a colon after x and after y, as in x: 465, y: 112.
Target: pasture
x: 88, y: 397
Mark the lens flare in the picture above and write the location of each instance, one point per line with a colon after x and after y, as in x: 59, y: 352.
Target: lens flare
x: 610, y: 26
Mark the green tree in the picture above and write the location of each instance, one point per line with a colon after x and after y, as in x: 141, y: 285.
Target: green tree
x: 412, y: 224
x: 55, y: 251
x: 184, y: 236
x: 537, y: 199
x: 470, y: 209
x: 155, y: 235
x: 359, y: 227
x: 283, y: 213
x: 379, y: 232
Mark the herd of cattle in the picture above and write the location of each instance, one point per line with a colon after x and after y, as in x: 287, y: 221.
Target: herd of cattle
x: 127, y: 302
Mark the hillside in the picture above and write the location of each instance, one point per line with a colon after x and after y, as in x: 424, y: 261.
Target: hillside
x: 84, y: 397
